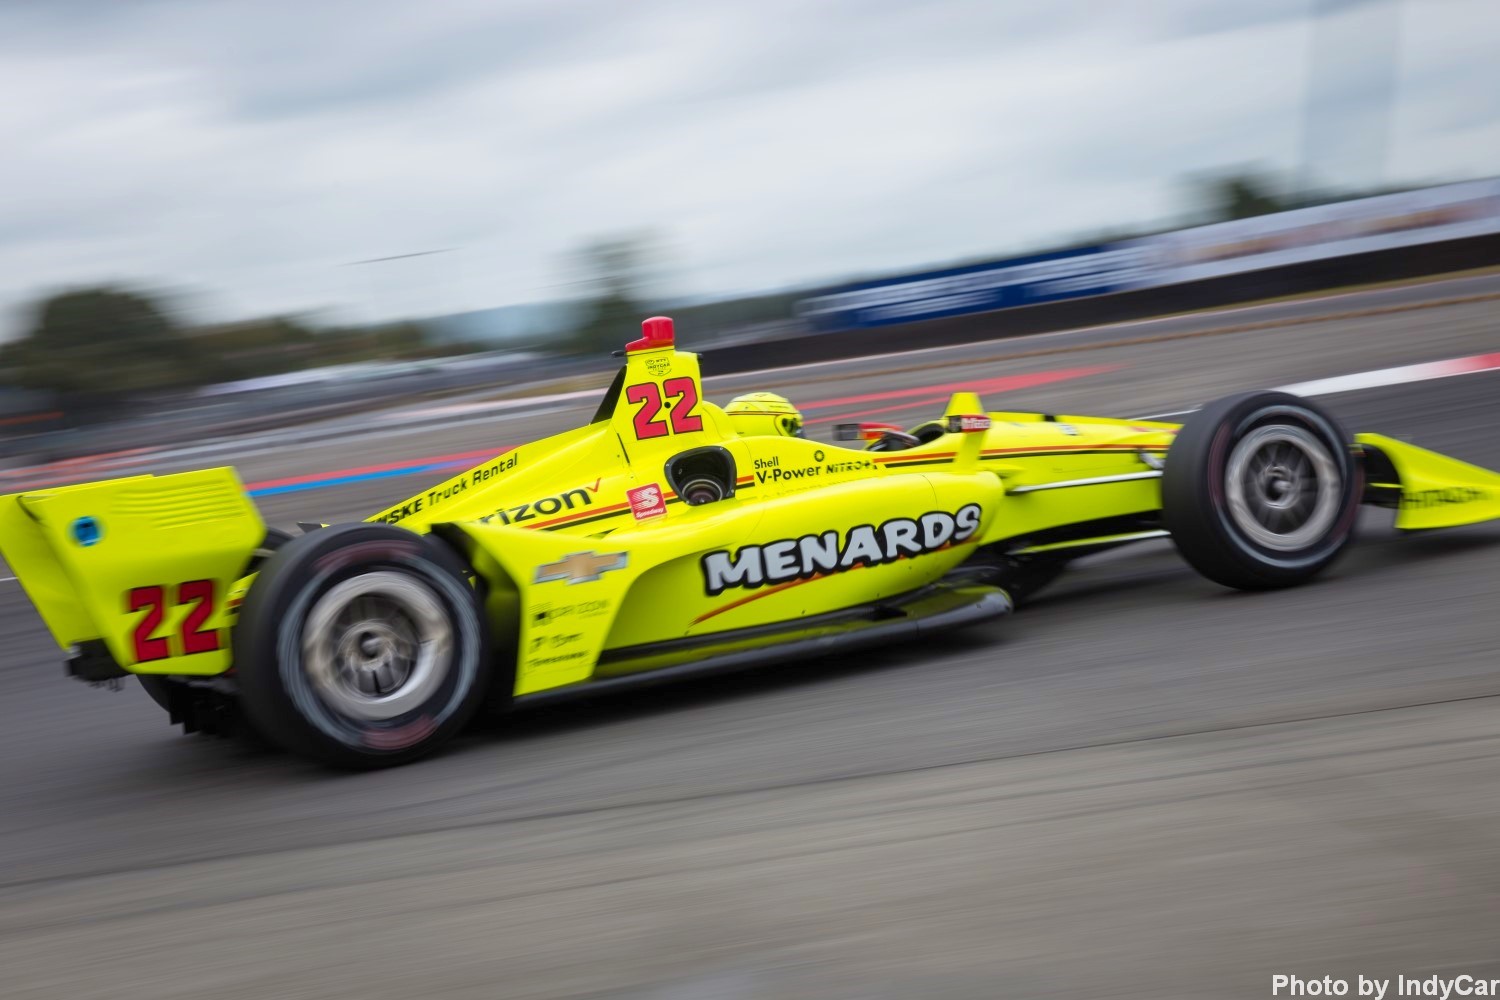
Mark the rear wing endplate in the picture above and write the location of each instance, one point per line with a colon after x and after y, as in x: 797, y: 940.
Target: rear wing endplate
x: 143, y: 563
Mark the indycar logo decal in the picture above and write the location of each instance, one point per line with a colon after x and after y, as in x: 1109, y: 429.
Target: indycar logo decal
x: 809, y: 556
x: 581, y: 567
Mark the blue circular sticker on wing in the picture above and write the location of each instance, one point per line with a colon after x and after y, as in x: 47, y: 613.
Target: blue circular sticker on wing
x: 87, y: 531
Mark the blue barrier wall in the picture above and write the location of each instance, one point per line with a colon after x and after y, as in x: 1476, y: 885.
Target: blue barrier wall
x: 956, y: 291
x: 1300, y: 236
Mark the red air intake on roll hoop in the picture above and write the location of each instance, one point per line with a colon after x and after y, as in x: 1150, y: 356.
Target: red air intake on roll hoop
x: 658, y: 335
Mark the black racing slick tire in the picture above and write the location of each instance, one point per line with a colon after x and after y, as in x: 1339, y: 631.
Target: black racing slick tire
x: 1261, y: 490
x: 362, y: 646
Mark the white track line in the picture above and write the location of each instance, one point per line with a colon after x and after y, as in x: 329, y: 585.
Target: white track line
x: 1377, y: 379
x: 1396, y: 376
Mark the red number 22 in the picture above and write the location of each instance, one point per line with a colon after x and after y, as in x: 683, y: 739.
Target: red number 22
x: 153, y: 600
x: 681, y: 417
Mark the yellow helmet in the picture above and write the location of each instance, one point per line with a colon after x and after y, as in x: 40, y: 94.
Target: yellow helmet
x: 764, y: 413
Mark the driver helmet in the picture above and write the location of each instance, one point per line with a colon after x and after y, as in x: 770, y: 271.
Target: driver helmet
x: 758, y: 413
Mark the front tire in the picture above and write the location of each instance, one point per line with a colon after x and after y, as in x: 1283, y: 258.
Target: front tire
x: 361, y: 646
x: 1261, y: 490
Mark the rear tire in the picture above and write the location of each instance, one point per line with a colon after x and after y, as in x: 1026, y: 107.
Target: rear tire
x: 361, y: 646
x: 1261, y: 490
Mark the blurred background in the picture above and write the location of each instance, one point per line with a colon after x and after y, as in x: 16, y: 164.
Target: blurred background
x: 227, y: 212
x: 352, y: 248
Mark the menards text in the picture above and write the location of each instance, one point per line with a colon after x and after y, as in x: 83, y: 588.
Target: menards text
x: 813, y: 555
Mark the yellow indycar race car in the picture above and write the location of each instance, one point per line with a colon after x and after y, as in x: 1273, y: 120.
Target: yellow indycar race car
x: 668, y: 535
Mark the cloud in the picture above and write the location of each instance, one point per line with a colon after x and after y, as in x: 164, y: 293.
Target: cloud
x: 253, y: 150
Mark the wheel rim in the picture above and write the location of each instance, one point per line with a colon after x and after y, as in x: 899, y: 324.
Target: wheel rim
x: 1283, y: 487
x: 377, y: 646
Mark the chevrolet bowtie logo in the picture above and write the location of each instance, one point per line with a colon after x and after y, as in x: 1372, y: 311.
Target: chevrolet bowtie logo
x: 581, y: 567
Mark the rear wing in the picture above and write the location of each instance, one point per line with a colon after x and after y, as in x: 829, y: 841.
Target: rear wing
x: 142, y: 564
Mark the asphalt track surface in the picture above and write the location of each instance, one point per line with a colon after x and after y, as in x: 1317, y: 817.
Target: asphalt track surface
x: 1141, y: 785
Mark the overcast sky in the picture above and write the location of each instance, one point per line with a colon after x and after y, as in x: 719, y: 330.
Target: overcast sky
x: 247, y: 151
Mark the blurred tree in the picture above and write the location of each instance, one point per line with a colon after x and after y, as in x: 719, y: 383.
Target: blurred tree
x: 1238, y: 195
x: 615, y: 273
x: 105, y: 343
x: 257, y: 347
x: 401, y: 340
x: 10, y: 360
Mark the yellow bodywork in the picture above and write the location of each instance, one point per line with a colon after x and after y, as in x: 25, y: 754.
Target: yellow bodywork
x: 1436, y: 491
x: 152, y: 532
x: 591, y: 565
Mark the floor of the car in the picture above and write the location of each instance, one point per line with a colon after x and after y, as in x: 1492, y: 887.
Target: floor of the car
x: 946, y: 605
